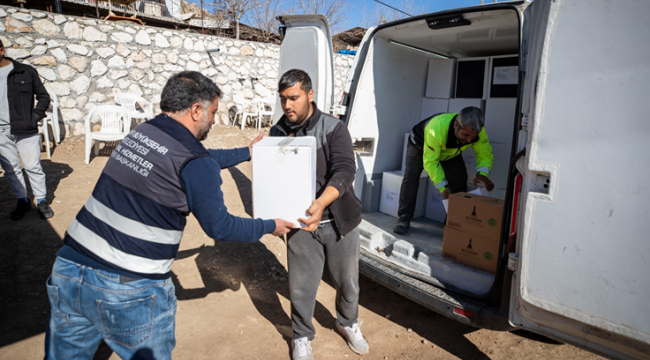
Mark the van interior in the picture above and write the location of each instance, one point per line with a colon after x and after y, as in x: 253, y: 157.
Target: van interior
x: 412, y: 71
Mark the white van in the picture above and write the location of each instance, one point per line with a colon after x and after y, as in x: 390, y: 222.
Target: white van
x: 565, y: 86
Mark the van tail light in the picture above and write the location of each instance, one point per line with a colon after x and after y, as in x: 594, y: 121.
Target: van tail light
x: 342, y: 102
x: 465, y: 313
x: 512, y: 237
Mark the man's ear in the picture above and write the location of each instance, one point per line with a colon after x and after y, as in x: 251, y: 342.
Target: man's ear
x: 310, y: 95
x: 196, y: 111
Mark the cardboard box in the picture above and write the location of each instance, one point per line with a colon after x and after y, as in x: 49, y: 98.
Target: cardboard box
x: 284, y: 177
x: 433, y: 106
x: 470, y: 249
x: 434, y: 209
x: 391, y: 184
x: 440, y: 78
x: 475, y: 214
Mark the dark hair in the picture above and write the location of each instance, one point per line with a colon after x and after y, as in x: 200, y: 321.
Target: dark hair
x: 187, y: 88
x: 1, y: 45
x: 291, y: 77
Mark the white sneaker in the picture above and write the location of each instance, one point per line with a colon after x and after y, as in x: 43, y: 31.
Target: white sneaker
x: 301, y: 349
x: 354, y: 337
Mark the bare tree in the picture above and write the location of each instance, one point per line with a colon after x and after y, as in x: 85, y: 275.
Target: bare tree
x: 384, y: 13
x: 234, y: 10
x: 263, y: 16
x: 334, y: 10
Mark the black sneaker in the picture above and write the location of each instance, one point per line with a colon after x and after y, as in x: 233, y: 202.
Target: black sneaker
x: 21, y: 208
x: 403, y: 224
x: 45, y: 210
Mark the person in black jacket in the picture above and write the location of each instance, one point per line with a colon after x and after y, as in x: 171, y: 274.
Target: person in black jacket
x: 331, y: 235
x: 19, y: 138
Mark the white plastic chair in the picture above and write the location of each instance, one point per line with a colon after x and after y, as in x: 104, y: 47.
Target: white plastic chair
x: 129, y: 101
x: 115, y: 122
x: 45, y: 131
x: 242, y: 106
x: 52, y: 118
x: 265, y: 108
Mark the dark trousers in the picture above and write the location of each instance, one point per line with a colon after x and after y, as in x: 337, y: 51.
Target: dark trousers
x: 455, y: 173
x: 307, y: 255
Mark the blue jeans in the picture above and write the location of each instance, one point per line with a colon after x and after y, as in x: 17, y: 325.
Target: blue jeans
x: 135, y: 318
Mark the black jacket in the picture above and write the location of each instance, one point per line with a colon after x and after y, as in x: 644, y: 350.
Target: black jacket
x: 335, y: 164
x: 23, y: 83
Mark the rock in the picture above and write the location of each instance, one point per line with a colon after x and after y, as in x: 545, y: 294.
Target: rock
x: 46, y: 27
x: 97, y: 68
x: 130, y: 30
x: 268, y: 53
x: 22, y: 17
x: 13, y: 25
x: 247, y: 51
x: 259, y: 52
x: 52, y: 44
x: 106, y: 28
x: 147, y: 52
x: 23, y: 42
x: 103, y: 83
x: 234, y: 51
x: 78, y: 62
x: 139, y: 56
x: 136, y: 74
x: 169, y: 67
x: 158, y: 58
x: 116, y: 62
x: 6, y: 42
x: 39, y: 50
x: 97, y: 97
x: 81, y: 84
x: 135, y: 89
x: 105, y: 52
x: 92, y: 34
x: 46, y: 73
x: 59, y: 19
x: 90, y: 22
x: 198, y: 46
x: 81, y: 100
x: 66, y: 72
x: 146, y: 64
x: 123, y: 83
x: 3, y: 14
x: 129, y: 63
x: 195, y: 57
x: 158, y: 69
x: 191, y: 65
x: 222, y: 80
x: 167, y: 33
x: 37, y: 14
x: 161, y: 41
x: 172, y: 57
x: 176, y: 42
x: 122, y: 37
x: 122, y: 50
x: 59, y: 54
x: 116, y: 74
x: 72, y: 30
x: 44, y: 60
x: 59, y: 88
x: 72, y: 114
x: 143, y: 38
x: 188, y: 44
x: 78, y: 49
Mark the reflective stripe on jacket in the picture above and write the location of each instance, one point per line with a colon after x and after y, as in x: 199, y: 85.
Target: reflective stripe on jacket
x: 436, y: 149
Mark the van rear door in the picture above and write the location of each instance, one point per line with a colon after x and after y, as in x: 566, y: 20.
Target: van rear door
x: 307, y: 45
x: 583, y: 256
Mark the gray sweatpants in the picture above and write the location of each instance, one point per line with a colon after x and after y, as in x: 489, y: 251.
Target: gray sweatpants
x: 307, y: 255
x: 14, y: 148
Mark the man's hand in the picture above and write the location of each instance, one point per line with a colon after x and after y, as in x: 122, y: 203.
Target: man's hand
x: 446, y: 193
x: 316, y: 212
x: 257, y: 139
x: 489, y: 185
x: 282, y: 227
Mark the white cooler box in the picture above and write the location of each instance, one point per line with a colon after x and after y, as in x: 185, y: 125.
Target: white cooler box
x: 391, y: 183
x: 434, y: 208
x: 281, y: 163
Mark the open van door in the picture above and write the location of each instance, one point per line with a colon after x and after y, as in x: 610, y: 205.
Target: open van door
x: 307, y: 45
x: 583, y: 257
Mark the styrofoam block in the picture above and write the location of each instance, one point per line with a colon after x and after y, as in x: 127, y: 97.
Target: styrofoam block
x: 500, y: 119
x: 390, y: 189
x: 499, y: 173
x: 433, y: 106
x: 456, y: 105
x: 434, y: 208
x: 440, y: 78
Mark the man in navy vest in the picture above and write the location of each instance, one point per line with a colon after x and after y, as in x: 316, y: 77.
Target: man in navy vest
x: 111, y: 280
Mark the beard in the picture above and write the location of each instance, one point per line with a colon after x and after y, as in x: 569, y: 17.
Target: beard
x: 205, y: 128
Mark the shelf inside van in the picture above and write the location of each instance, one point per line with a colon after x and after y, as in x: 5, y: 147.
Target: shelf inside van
x: 419, y: 251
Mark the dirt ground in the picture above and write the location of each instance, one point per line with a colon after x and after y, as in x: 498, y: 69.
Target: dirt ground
x: 233, y: 298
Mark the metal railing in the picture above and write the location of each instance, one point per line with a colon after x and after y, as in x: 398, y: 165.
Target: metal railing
x: 151, y: 8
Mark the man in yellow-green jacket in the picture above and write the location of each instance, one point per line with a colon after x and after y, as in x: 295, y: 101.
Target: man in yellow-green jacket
x: 436, y: 145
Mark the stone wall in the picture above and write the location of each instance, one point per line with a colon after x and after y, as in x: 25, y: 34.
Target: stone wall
x: 85, y: 62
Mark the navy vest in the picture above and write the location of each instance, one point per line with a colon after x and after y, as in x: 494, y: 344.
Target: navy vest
x: 135, y: 217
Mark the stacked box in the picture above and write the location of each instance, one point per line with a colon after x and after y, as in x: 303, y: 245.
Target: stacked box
x: 391, y: 184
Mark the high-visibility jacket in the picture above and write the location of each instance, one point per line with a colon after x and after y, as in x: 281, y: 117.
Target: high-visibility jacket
x: 439, y: 146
